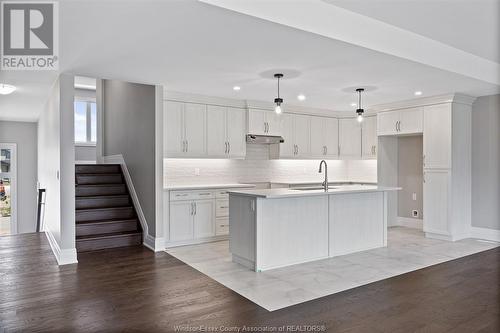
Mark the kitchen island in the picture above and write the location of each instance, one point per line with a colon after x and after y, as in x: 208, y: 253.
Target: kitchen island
x: 273, y: 228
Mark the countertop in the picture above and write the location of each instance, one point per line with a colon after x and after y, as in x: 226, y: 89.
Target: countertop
x: 302, y: 182
x: 286, y: 193
x: 206, y: 186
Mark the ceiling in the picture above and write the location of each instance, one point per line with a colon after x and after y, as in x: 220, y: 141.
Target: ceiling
x: 194, y: 47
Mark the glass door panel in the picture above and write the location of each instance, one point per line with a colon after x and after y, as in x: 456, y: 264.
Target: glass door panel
x: 7, y: 189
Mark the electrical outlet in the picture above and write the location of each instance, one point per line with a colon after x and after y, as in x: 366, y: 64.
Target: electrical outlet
x: 414, y: 196
x: 196, y: 171
x: 414, y: 213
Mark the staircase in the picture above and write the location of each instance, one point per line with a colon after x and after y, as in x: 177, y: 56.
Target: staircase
x: 105, y: 215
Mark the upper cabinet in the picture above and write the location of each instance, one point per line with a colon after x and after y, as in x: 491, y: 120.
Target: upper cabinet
x: 296, y: 131
x: 369, y: 137
x: 400, y: 122
x: 437, y: 136
x: 184, y: 124
x: 349, y: 138
x: 226, y: 132
x: 324, y: 137
x: 194, y: 130
x: 262, y: 122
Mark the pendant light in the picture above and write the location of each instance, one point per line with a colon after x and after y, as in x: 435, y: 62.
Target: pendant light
x: 278, y: 100
x: 360, y: 110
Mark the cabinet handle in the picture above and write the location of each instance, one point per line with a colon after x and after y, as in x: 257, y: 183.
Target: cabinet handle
x: 225, y: 147
x: 338, y: 150
x: 187, y: 146
x: 194, y: 208
x: 297, y: 149
x: 228, y: 147
x: 399, y: 126
x: 267, y: 127
x: 183, y: 146
x: 423, y: 160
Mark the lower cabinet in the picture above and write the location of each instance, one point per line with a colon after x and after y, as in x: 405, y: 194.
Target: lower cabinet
x: 191, y: 220
x: 436, y: 202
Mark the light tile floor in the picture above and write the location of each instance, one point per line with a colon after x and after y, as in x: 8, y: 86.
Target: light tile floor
x: 407, y: 250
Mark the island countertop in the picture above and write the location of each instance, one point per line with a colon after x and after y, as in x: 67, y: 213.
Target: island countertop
x: 287, y: 193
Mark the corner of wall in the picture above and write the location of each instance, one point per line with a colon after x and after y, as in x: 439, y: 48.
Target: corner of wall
x: 63, y: 256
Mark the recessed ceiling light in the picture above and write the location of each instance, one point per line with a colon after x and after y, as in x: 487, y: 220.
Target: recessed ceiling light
x: 236, y: 88
x: 301, y: 97
x: 6, y: 89
x: 418, y: 93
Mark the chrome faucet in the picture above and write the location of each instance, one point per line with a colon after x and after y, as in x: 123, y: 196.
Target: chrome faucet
x: 325, y: 183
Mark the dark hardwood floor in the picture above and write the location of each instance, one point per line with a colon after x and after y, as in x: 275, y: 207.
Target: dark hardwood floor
x: 136, y: 290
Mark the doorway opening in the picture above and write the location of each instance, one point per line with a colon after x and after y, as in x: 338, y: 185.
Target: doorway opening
x: 8, y: 199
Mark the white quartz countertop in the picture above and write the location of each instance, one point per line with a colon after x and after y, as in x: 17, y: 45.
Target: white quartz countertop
x: 206, y: 186
x: 286, y: 193
x: 305, y: 182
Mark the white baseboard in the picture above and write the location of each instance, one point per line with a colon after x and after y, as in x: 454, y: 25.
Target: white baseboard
x: 484, y: 233
x: 196, y: 241
x: 63, y: 257
x: 155, y: 244
x: 118, y: 159
x: 409, y: 223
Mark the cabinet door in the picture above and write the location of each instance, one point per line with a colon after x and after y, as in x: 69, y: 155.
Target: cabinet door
x: 216, y: 131
x: 318, y: 139
x: 435, y: 203
x: 302, y: 135
x: 195, y: 119
x: 369, y: 137
x: 387, y: 123
x: 437, y: 136
x: 411, y: 121
x: 287, y: 148
x: 204, y: 218
x: 350, y: 138
x: 236, y: 132
x: 257, y: 122
x: 173, y: 128
x: 274, y: 123
x: 331, y: 137
x: 181, y: 221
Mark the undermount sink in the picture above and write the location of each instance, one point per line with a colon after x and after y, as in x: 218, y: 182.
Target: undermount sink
x: 315, y: 188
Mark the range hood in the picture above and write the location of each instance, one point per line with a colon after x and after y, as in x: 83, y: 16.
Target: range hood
x: 264, y: 139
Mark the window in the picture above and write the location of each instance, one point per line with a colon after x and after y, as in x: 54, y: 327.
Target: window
x: 85, y: 122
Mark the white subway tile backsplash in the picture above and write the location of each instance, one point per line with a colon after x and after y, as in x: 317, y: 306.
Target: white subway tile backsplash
x: 258, y: 168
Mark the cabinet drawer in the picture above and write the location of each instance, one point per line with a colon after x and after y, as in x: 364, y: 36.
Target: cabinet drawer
x: 222, y: 207
x: 222, y: 226
x: 222, y: 194
x: 191, y: 195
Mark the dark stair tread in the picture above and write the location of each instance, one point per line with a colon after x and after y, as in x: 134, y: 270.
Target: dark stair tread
x: 111, y: 235
x: 111, y: 221
x: 104, y: 209
x: 104, y: 196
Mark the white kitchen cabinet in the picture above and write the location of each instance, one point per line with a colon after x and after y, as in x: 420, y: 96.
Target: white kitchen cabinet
x: 296, y: 131
x: 262, y: 122
x: 181, y: 221
x: 436, y: 201
x: 324, y: 137
x: 225, y: 132
x: 173, y: 127
x: 400, y: 122
x: 369, y: 137
x: 437, y: 136
x: 203, y: 219
x: 349, y: 138
x: 184, y: 126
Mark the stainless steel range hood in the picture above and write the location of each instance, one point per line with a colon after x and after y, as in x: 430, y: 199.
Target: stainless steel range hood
x: 264, y: 139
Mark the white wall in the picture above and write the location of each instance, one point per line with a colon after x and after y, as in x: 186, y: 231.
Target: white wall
x: 486, y: 162
x: 257, y: 167
x: 56, y: 169
x: 24, y: 134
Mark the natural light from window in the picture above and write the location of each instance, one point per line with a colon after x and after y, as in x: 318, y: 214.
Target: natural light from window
x: 85, y: 122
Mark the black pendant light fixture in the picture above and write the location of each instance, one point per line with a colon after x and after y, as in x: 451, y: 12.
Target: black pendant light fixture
x: 278, y: 100
x: 360, y: 110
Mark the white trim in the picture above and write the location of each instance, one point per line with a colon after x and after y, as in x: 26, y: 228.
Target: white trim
x: 118, y: 159
x: 196, y: 241
x: 424, y: 101
x: 85, y: 162
x: 484, y: 233
x: 13, y: 185
x: 409, y: 223
x: 63, y: 257
x: 155, y: 244
x: 85, y: 144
